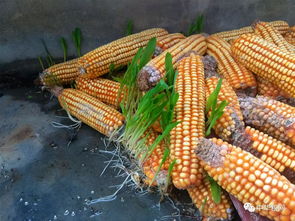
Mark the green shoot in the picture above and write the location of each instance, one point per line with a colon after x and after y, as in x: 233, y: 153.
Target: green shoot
x: 216, y: 110
x: 77, y: 39
x: 215, y: 190
x: 64, y: 47
x: 41, y: 62
x: 164, y: 158
x: 170, y: 168
x: 196, y: 26
x: 49, y: 58
x: 203, y: 205
x: 129, y: 28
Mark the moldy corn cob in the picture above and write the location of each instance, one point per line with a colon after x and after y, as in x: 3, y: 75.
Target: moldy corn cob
x: 91, y: 111
x: 105, y: 90
x: 269, y: 33
x: 60, y: 74
x: 267, y: 61
x: 231, y: 122
x: 248, y: 178
x: 236, y: 74
x: 97, y: 62
x: 202, y: 198
x: 154, y: 70
x: 189, y: 111
x: 167, y: 41
x: 281, y: 26
x: 273, y: 152
x: 270, y: 116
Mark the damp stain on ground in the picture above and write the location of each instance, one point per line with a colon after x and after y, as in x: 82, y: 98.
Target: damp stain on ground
x: 49, y: 173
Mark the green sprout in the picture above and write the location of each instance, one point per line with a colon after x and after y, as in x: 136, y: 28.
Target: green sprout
x: 216, y: 110
x: 215, y: 190
x: 77, y: 39
x: 197, y: 26
x: 41, y: 62
x: 64, y: 46
x: 129, y: 28
x: 49, y: 58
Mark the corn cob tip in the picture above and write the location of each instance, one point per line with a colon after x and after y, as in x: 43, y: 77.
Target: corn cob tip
x: 210, y: 66
x: 148, y: 78
x: 56, y: 90
x: 211, y: 153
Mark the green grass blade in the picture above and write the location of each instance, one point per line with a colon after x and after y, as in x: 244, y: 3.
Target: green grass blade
x: 215, y: 190
x: 148, y: 52
x: 41, y: 62
x: 212, y: 100
x: 49, y: 58
x: 64, y: 46
x: 77, y: 39
x: 129, y: 28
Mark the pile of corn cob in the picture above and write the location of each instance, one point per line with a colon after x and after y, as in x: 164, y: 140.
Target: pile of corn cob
x: 251, y: 153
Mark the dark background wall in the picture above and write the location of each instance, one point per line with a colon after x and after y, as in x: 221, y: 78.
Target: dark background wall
x: 24, y: 22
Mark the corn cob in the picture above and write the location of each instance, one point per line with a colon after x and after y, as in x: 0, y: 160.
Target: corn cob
x: 151, y: 164
x: 270, y: 116
x: 269, y: 33
x: 273, y: 152
x: 236, y: 74
x: 267, y: 61
x: 151, y: 74
x: 105, y: 90
x: 119, y: 52
x: 60, y: 74
x: 91, y: 111
x: 267, y: 89
x: 167, y: 41
x: 189, y: 111
x: 231, y: 122
x: 290, y: 35
x: 281, y: 26
x: 202, y: 198
x: 248, y: 178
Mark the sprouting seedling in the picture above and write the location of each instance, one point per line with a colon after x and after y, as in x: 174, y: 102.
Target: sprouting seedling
x: 203, y: 205
x: 49, y: 58
x: 215, y: 189
x: 77, y: 39
x: 170, y: 168
x: 41, y: 62
x: 216, y: 110
x: 163, y: 160
x: 64, y: 46
x: 196, y: 26
x: 129, y: 28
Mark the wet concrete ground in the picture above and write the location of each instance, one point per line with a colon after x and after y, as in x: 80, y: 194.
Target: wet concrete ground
x: 44, y: 178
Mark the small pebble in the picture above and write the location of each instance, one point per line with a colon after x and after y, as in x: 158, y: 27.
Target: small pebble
x: 55, y: 217
x: 73, y: 213
x: 92, y: 192
x: 21, y: 199
x: 66, y: 212
x: 26, y: 203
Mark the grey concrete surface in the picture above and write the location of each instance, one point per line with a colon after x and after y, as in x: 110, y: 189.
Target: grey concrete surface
x: 24, y: 22
x: 43, y: 178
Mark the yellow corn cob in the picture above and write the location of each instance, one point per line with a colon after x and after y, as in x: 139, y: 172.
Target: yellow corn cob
x: 236, y: 74
x: 189, y: 111
x: 248, y: 178
x: 91, y: 111
x: 119, y: 52
x: 60, y: 74
x: 105, y: 90
x: 290, y: 35
x: 231, y: 122
x: 267, y: 89
x: 273, y: 152
x: 151, y: 164
x: 167, y: 41
x: 267, y: 61
x: 269, y: 33
x: 154, y: 70
x: 270, y: 116
x: 281, y: 26
x: 202, y: 198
